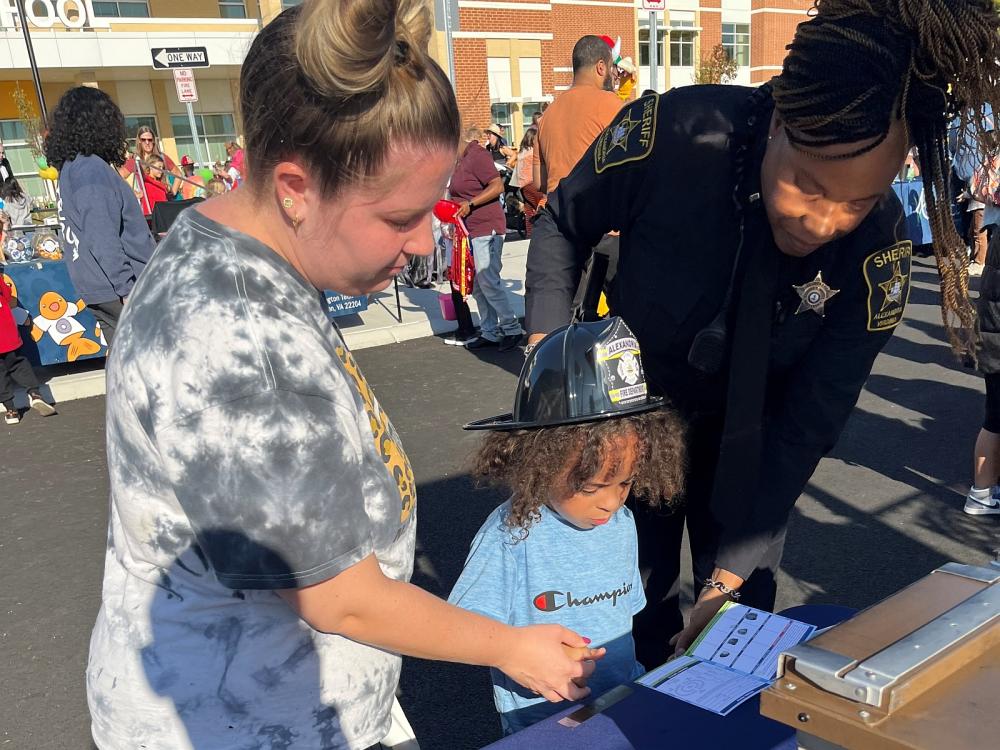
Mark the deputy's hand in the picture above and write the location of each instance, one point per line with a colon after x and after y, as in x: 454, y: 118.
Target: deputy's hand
x: 707, y: 606
x: 465, y: 208
x: 552, y: 661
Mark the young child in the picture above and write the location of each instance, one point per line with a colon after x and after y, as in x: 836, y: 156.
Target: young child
x: 563, y: 550
x: 156, y: 188
x: 215, y: 186
x: 14, y: 367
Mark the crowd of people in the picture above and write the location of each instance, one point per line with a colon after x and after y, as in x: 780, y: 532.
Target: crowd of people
x: 108, y: 193
x: 158, y: 179
x: 262, y: 526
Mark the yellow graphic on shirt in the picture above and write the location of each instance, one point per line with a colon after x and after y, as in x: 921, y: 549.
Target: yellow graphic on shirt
x: 386, y: 439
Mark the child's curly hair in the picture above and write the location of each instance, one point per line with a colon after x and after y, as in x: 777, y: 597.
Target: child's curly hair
x: 532, y: 463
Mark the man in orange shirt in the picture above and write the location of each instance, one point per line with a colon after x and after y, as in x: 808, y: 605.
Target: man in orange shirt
x: 571, y: 123
x: 574, y: 120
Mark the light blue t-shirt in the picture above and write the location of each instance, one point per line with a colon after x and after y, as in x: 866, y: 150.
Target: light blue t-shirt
x: 586, y: 580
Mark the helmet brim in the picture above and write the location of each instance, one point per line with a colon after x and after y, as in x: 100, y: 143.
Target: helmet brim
x: 505, y: 422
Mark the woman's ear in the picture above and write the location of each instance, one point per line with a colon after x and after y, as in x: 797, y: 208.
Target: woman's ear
x: 776, y: 125
x: 292, y: 183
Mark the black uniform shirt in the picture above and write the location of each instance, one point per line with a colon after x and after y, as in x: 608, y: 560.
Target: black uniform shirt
x: 664, y: 174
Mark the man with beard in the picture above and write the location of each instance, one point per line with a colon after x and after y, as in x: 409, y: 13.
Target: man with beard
x: 571, y: 123
x: 578, y: 116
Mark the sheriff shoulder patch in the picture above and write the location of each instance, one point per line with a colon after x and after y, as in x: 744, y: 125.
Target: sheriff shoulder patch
x: 887, y: 273
x: 630, y: 135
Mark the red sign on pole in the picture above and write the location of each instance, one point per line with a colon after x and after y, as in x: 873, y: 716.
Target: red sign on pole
x: 654, y: 4
x: 187, y: 90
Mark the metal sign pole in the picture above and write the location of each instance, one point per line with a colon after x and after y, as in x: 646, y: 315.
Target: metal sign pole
x: 449, y: 43
x: 654, y: 45
x: 194, y: 134
x: 32, y: 62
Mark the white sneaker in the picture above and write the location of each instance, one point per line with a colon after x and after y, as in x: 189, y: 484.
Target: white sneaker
x: 982, y: 506
x: 456, y: 339
x: 40, y: 405
x: 976, y: 269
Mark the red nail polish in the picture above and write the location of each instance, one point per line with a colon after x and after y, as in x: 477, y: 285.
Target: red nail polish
x: 587, y: 641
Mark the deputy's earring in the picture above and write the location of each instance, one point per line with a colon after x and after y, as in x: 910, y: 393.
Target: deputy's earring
x: 287, y: 203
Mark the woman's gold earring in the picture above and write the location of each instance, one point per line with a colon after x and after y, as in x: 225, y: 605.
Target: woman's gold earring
x: 287, y: 203
x: 295, y: 222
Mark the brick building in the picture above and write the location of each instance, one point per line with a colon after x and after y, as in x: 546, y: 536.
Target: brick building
x: 513, y: 56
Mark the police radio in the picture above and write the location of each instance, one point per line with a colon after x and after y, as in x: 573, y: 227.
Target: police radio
x: 708, y: 350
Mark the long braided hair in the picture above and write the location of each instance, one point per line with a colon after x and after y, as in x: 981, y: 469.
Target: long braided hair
x: 857, y: 66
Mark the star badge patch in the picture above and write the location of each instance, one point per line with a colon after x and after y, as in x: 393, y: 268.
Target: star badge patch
x: 814, y: 295
x: 630, y: 135
x: 893, y: 287
x: 887, y: 275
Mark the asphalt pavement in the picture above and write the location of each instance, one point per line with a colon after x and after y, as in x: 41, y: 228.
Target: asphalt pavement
x: 881, y: 511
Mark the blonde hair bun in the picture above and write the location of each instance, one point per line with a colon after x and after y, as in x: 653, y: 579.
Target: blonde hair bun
x: 351, y: 47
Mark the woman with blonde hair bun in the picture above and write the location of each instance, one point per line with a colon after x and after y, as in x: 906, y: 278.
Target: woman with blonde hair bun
x: 263, y: 511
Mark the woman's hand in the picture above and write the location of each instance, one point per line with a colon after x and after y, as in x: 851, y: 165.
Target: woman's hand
x: 465, y: 208
x: 707, y: 606
x: 709, y: 603
x: 551, y: 660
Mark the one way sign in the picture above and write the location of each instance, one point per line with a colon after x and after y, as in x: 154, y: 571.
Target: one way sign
x: 165, y: 58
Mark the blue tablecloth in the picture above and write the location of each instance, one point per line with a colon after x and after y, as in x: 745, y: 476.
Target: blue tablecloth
x: 70, y: 330
x: 648, y: 720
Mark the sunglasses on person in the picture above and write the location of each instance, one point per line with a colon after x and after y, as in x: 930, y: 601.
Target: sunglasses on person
x: 146, y: 140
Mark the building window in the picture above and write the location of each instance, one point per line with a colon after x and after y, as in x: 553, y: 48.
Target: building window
x: 500, y: 114
x: 498, y: 70
x: 232, y: 9
x: 681, y: 44
x: 531, y: 77
x: 644, y: 46
x: 528, y: 110
x: 122, y: 9
x: 21, y: 160
x: 736, y: 41
x: 214, y: 131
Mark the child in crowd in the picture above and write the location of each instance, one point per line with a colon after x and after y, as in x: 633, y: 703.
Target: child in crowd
x: 16, y: 204
x: 13, y: 367
x: 154, y: 183
x: 563, y: 549
x: 215, y: 186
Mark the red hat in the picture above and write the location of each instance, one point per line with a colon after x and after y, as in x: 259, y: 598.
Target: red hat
x: 186, y: 161
x: 608, y: 41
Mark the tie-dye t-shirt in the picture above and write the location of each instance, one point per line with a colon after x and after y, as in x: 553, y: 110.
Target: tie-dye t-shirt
x: 246, y: 454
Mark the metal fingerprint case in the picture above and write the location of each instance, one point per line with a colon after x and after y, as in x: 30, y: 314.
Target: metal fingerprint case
x: 920, y: 669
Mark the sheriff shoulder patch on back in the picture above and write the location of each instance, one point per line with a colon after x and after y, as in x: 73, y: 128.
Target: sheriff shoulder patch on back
x: 887, y: 273
x: 630, y: 135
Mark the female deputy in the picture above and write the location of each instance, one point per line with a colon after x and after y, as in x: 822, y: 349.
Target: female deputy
x: 262, y: 509
x: 762, y: 268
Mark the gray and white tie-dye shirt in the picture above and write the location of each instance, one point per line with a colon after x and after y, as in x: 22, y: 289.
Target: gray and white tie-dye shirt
x: 246, y: 454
